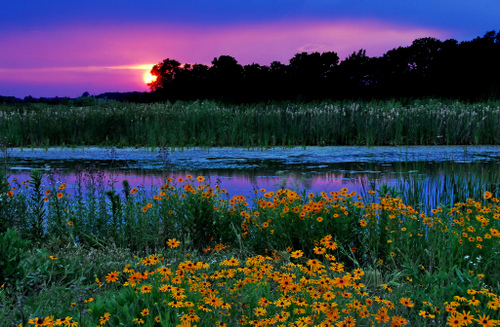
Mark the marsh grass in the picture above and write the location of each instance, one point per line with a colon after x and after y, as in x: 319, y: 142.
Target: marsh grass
x: 188, y: 253
x: 206, y: 124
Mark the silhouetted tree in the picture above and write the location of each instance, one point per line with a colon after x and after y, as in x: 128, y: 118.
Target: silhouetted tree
x: 226, y: 76
x: 354, y: 76
x: 256, y: 86
x: 165, y: 72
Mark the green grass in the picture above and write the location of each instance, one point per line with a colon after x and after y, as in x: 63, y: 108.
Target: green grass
x: 206, y: 124
x: 384, y: 248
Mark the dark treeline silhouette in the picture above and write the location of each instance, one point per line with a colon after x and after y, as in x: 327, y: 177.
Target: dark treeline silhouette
x: 468, y: 70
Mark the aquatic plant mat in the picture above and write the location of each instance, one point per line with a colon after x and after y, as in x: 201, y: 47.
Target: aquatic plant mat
x: 190, y: 254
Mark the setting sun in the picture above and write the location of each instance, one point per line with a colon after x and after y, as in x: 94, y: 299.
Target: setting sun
x: 148, y: 78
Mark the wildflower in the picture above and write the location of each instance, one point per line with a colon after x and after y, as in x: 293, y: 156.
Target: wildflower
x: 297, y: 254
x: 47, y: 321
x: 60, y: 195
x: 204, y: 308
x: 398, y: 321
x: 426, y: 314
x: 467, y: 317
x: 173, y: 243
x: 146, y: 288
x: 406, y: 302
x: 134, y: 190
x: 214, y: 301
x: 200, y: 179
x: 259, y: 311
x: 176, y: 304
x: 52, y: 258
x: 112, y: 277
x: 145, y: 312
x: 319, y: 250
x: 381, y: 315
x: 485, y: 321
x: 103, y: 319
x: 487, y: 195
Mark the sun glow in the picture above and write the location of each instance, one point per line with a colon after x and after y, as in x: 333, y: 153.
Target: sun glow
x: 148, y: 78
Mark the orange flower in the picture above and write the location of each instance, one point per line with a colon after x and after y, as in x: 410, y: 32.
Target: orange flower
x: 406, y: 302
x: 112, y: 277
x: 173, y: 243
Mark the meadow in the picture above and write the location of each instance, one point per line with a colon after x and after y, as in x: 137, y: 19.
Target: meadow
x: 187, y: 253
x: 207, y: 123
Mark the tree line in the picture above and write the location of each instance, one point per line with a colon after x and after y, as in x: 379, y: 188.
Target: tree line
x: 469, y: 70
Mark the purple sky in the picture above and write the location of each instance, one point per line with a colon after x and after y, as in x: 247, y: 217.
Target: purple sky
x: 64, y: 48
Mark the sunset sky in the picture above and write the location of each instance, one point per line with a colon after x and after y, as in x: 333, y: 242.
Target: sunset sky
x: 64, y: 48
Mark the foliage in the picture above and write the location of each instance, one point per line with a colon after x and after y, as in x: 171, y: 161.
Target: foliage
x: 12, y: 251
x: 391, y: 122
x: 217, y: 259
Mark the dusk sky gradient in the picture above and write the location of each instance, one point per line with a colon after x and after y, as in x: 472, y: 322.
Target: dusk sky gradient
x: 64, y: 48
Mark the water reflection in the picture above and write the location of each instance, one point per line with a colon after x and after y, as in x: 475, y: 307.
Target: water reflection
x: 432, y: 179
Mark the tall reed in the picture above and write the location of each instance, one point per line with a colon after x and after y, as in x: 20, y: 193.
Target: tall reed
x: 204, y: 123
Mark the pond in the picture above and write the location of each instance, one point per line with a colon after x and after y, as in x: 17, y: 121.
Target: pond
x: 240, y: 170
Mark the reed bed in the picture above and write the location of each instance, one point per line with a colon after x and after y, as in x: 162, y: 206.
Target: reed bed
x: 205, y: 123
x: 187, y: 253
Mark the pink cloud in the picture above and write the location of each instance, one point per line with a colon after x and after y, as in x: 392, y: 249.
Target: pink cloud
x: 86, y: 56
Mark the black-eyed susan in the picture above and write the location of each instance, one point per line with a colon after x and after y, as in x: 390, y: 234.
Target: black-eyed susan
x: 485, y: 321
x: 63, y: 321
x: 112, y: 277
x: 173, y: 243
x: 488, y: 195
x: 47, y: 321
x: 146, y: 288
x: 406, y: 302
